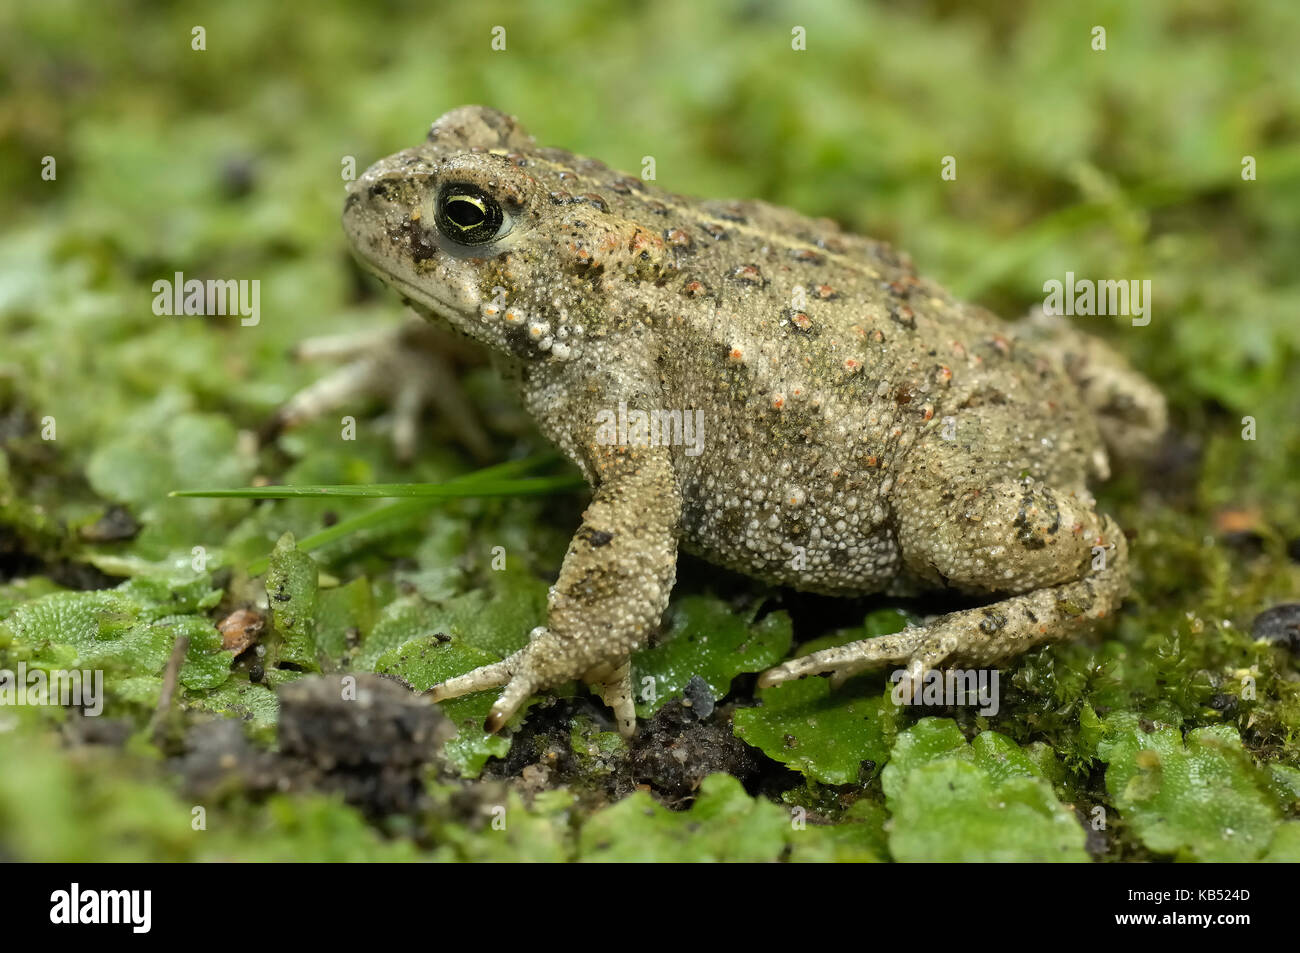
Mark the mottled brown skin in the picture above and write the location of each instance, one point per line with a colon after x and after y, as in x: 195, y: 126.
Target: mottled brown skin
x: 863, y: 431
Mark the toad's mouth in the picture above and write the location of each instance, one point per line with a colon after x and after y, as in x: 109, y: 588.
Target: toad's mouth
x: 416, y: 296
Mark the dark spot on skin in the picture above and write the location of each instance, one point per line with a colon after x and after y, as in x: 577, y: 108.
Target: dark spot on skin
x: 799, y: 320
x: 992, y: 622
x: 379, y: 190
x: 350, y: 201
x: 655, y: 207
x: 678, y: 238
x: 591, y: 198
x: 904, y: 287
x: 1055, y: 510
x: 903, y: 315
x: 595, y: 537
x: 421, y: 248
x: 1025, y: 532
x: 748, y: 274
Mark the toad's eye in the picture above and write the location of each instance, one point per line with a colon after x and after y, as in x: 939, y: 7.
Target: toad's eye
x: 469, y: 216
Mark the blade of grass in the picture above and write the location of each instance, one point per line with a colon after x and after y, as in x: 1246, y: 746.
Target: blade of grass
x: 466, y: 486
x: 451, y: 490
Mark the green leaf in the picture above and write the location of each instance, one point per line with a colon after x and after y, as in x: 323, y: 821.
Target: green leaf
x: 291, y: 584
x: 706, y: 637
x: 127, y: 632
x: 1285, y: 848
x: 340, y: 612
x: 1203, y: 799
x: 513, y: 833
x: 724, y: 824
x: 425, y: 644
x: 955, y: 802
x: 253, y: 704
x: 859, y: 837
x: 423, y: 663
x: 835, y: 737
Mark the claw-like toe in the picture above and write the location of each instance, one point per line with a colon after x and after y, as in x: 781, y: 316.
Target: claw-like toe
x: 615, y: 689
x: 511, y: 700
x: 481, y: 679
x: 845, y: 661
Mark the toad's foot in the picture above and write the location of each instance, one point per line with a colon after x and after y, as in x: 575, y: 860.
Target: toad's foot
x: 522, y: 675
x: 613, y: 588
x: 409, y: 367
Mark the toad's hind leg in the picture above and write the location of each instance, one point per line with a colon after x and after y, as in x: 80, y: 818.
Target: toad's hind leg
x: 979, y: 637
x: 1070, y: 563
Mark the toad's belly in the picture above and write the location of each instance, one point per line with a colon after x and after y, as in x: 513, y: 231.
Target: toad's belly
x: 816, y: 552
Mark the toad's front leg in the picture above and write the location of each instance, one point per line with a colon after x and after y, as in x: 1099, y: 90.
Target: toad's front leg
x: 612, y: 590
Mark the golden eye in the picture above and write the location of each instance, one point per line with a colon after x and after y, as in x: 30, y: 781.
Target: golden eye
x: 469, y: 216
